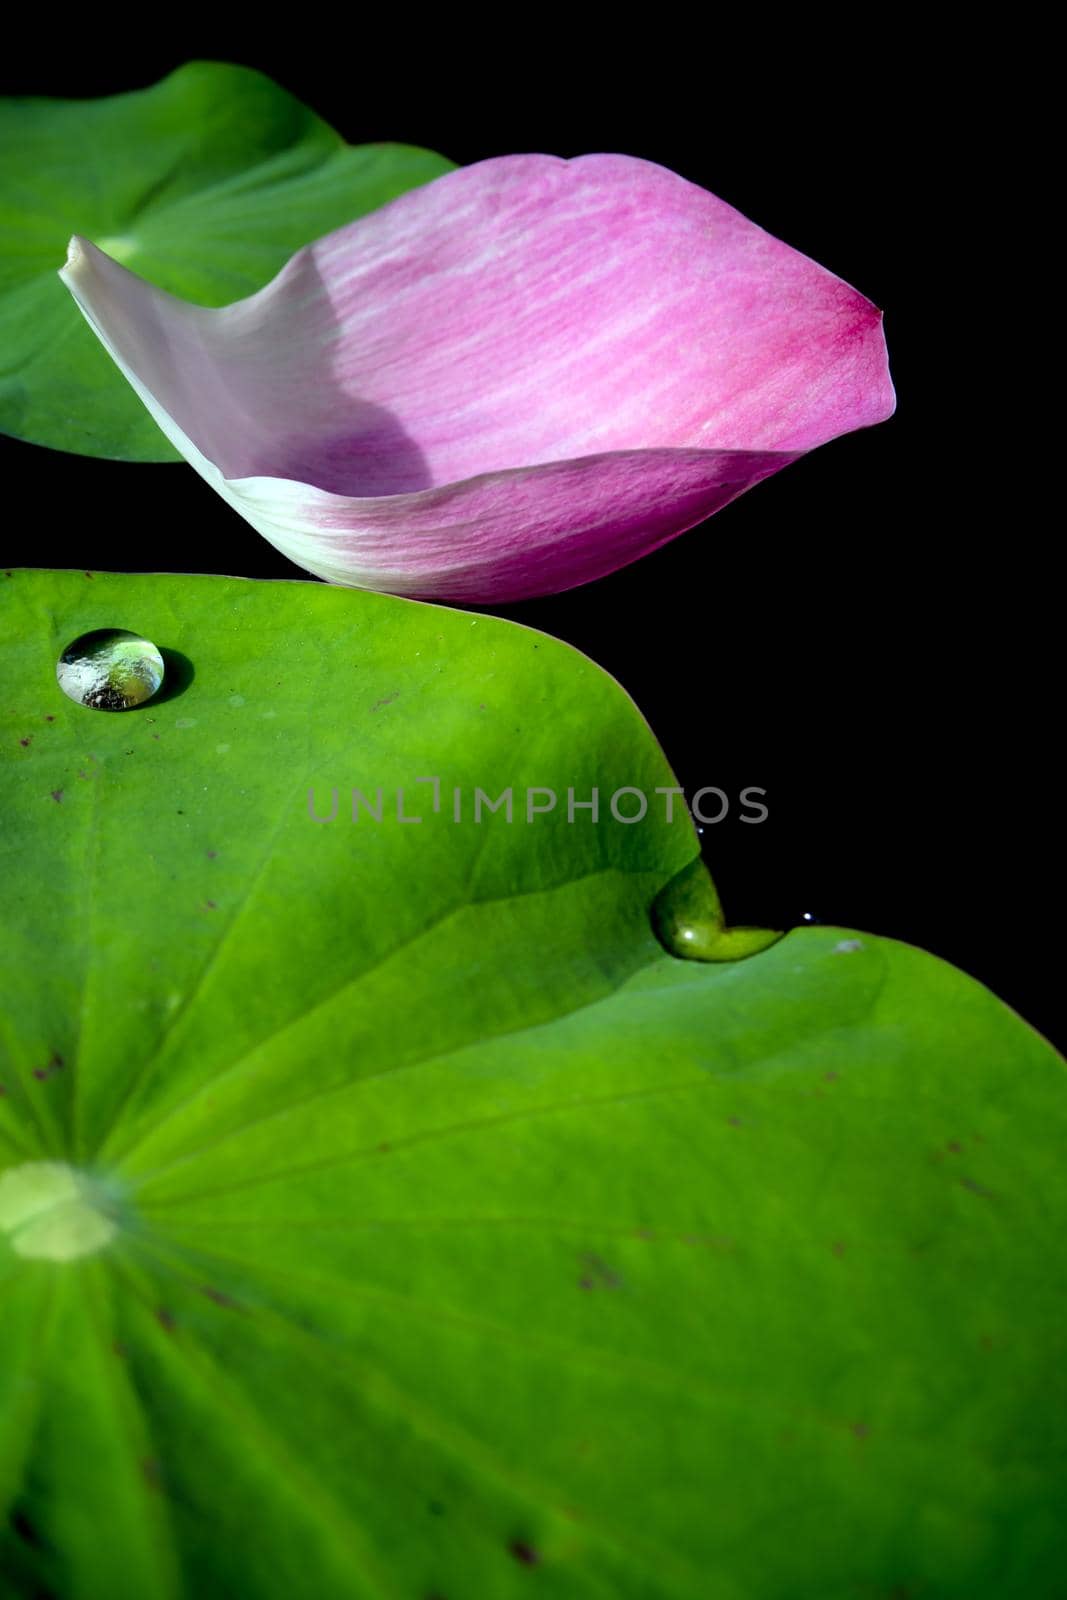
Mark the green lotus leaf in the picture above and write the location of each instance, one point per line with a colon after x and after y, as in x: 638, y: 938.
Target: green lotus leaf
x: 205, y: 184
x: 385, y: 1214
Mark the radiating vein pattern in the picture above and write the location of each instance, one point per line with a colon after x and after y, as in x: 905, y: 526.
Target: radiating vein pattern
x: 460, y: 1243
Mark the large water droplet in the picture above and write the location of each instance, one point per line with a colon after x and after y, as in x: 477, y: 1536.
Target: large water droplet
x: 52, y: 1212
x: 110, y: 670
x: 687, y: 920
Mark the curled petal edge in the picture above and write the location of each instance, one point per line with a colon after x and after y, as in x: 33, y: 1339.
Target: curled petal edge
x: 506, y: 534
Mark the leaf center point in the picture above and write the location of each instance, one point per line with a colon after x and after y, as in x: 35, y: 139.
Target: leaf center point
x: 50, y: 1211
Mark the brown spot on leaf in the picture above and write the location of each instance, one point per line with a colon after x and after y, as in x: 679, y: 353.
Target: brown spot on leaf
x: 26, y: 1530
x: 860, y: 1429
x: 165, y: 1318
x: 218, y: 1296
x: 25, y: 742
x: 386, y: 700
x: 209, y: 905
x: 838, y: 1247
x: 831, y: 1077
x: 955, y: 1147
x: 57, y: 795
x: 88, y: 574
x: 596, y: 1274
x: 49, y: 718
x: 977, y: 1188
x: 524, y: 1553
x: 735, y: 1122
x: 211, y: 854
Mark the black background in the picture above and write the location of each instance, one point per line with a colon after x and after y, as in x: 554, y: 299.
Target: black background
x: 872, y: 634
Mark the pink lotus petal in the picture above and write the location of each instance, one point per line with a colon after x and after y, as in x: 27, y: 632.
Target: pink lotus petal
x: 510, y: 381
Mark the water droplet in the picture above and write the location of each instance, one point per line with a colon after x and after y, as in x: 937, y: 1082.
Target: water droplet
x: 687, y: 920
x: 110, y: 670
x: 52, y: 1212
